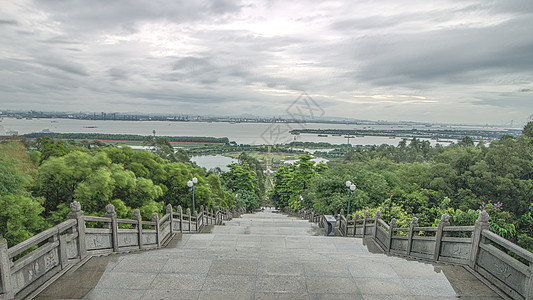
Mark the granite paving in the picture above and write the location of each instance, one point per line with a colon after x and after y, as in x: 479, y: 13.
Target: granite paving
x: 265, y: 255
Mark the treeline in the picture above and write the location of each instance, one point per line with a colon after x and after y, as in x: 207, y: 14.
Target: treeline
x: 125, y: 137
x: 416, y: 179
x: 39, y: 180
x: 219, y: 149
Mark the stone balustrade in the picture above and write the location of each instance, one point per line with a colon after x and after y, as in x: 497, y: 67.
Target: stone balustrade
x: 26, y: 267
x: 507, y: 266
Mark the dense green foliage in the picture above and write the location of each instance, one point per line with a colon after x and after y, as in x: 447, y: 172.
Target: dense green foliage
x: 37, y: 186
x: 20, y: 212
x: 247, y: 180
x: 415, y: 179
x: 291, y: 181
x: 39, y: 181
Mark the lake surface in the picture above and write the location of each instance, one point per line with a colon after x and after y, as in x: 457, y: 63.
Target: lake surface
x: 241, y: 133
x: 213, y: 161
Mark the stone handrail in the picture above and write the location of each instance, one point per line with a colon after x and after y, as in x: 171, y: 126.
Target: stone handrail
x: 46, y: 256
x: 475, y: 247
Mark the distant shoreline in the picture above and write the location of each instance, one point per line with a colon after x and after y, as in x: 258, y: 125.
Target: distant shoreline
x: 130, y: 141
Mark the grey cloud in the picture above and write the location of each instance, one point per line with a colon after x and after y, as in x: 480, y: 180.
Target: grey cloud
x: 504, y: 100
x: 446, y: 56
x: 118, y: 74
x: 200, y: 53
x: 8, y: 22
x: 68, y: 67
x: 122, y: 15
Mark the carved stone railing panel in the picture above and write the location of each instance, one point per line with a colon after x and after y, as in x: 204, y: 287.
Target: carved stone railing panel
x: 399, y: 244
x: 72, y: 249
x: 382, y: 237
x: 127, y: 238
x: 424, y: 247
x: 149, y: 238
x: 495, y: 264
x: 95, y: 240
x: 456, y: 249
x: 25, y: 273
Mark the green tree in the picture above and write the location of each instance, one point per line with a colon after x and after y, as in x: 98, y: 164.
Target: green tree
x: 20, y: 213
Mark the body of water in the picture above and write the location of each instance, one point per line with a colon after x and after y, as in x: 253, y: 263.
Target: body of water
x: 213, y: 161
x: 241, y: 133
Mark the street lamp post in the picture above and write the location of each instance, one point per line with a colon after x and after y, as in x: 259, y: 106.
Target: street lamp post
x: 191, y: 186
x: 351, y: 188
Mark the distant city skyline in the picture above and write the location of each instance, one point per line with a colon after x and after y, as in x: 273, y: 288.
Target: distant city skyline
x: 449, y: 61
x: 139, y: 116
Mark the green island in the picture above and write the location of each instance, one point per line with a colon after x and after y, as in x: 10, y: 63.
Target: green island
x: 125, y: 138
x: 40, y: 175
x: 438, y: 134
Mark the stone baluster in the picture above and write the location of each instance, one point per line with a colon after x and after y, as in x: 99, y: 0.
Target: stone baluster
x: 188, y: 214
x: 339, y: 222
x: 346, y: 227
x: 355, y: 223
x: 197, y: 220
x: 155, y: 218
x: 529, y: 291
x: 110, y: 213
x: 180, y: 213
x: 77, y: 213
x: 367, y: 215
x: 391, y: 233
x: 6, y: 287
x: 202, y: 212
x: 482, y: 223
x: 444, y: 221
x: 170, y: 219
x: 376, y: 222
x: 138, y: 226
x: 414, y: 223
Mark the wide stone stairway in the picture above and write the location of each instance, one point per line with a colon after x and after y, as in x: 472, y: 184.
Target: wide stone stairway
x: 265, y: 256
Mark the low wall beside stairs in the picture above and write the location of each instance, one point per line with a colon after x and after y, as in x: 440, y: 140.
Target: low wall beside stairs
x: 503, y: 263
x: 42, y: 258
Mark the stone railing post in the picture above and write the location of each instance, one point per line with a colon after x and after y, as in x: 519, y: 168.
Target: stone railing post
x: 139, y: 226
x: 188, y: 214
x: 155, y: 218
x: 341, y: 227
x: 348, y: 217
x: 378, y: 216
x: 180, y: 213
x: 197, y: 220
x: 110, y: 213
x: 414, y: 223
x: 170, y: 219
x: 444, y: 221
x: 62, y: 248
x: 391, y: 233
x: 482, y: 223
x: 367, y: 214
x: 202, y: 212
x: 529, y: 292
x: 6, y: 287
x: 355, y: 218
x: 77, y: 213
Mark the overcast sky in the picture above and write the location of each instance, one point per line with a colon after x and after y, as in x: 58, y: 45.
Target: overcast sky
x: 436, y: 61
